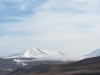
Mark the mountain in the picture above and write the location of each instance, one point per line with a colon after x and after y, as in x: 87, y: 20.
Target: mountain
x: 95, y: 53
x: 44, y: 62
x: 88, y: 66
x: 35, y: 56
x: 29, y: 57
x: 35, y: 53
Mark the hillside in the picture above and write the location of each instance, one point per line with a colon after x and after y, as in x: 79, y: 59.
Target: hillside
x: 89, y: 66
x: 8, y: 65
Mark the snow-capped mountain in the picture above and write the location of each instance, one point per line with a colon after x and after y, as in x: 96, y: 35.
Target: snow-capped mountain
x: 95, y: 53
x: 35, y: 53
x: 32, y: 55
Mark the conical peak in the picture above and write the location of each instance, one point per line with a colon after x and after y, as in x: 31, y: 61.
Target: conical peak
x: 33, y: 52
x: 32, y: 49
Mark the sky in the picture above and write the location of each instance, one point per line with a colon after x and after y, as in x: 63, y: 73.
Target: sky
x: 69, y: 26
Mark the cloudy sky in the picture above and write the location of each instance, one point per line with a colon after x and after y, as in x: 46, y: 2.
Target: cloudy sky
x: 69, y: 26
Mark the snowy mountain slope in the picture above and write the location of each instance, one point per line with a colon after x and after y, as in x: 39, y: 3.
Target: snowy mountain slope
x: 35, y: 53
x: 95, y: 53
x: 32, y: 55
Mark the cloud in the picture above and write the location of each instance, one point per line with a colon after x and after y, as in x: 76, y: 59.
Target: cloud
x: 22, y: 9
x: 68, y: 26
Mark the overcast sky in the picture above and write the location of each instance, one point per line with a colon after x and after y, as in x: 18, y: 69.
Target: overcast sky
x: 69, y: 26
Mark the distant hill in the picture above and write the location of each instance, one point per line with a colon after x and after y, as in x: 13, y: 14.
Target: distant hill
x: 95, y: 53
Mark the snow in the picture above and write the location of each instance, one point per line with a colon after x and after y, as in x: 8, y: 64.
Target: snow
x: 9, y: 69
x: 95, y: 53
x: 35, y: 53
x: 24, y: 64
x: 17, y: 60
